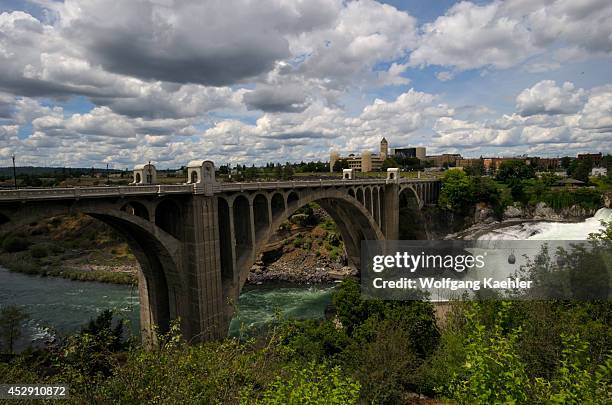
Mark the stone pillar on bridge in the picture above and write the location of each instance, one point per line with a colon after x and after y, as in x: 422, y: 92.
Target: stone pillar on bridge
x: 390, y: 225
x: 145, y: 174
x: 348, y: 174
x: 208, y: 318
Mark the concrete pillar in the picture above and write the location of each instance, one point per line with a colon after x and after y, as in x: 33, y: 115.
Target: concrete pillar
x: 202, y: 250
x: 390, y: 225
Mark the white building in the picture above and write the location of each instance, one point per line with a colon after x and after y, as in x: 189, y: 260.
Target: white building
x: 599, y: 171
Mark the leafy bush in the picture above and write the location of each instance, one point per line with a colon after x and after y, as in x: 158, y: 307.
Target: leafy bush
x: 12, y: 244
x: 38, y: 252
x: 576, y: 382
x: 313, y: 384
x: 514, y: 170
x: 493, y: 371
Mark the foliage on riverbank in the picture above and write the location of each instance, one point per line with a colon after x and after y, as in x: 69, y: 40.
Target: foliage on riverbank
x: 460, y: 192
x: 73, y: 247
x: 522, y: 352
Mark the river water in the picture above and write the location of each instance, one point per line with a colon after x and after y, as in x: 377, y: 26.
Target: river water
x: 59, y: 306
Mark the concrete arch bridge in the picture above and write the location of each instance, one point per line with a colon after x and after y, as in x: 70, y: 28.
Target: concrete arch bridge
x: 196, y: 242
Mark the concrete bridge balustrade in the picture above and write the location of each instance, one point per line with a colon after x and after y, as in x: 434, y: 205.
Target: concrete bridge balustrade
x: 196, y: 241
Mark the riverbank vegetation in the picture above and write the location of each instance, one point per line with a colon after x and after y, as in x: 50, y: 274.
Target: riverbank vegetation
x: 522, y: 352
x: 516, y: 185
x: 76, y: 247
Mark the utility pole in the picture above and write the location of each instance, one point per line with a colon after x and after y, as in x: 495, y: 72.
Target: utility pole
x: 107, y: 176
x: 14, y: 173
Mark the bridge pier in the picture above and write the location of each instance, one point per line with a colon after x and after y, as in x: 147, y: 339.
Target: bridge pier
x: 203, y: 264
x: 390, y: 223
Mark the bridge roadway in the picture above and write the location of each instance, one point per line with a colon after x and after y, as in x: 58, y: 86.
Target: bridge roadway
x: 25, y: 194
x: 196, y: 242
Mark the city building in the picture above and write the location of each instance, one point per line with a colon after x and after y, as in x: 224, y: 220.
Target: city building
x: 445, y: 159
x: 410, y: 152
x: 595, y: 157
x: 366, y: 162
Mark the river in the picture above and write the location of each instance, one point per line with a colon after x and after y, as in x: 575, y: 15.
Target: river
x: 61, y: 306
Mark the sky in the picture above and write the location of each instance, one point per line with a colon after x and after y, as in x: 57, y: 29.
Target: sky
x: 95, y: 82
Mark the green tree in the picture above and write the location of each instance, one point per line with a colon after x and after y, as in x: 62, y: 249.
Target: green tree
x: 580, y: 169
x: 457, y: 193
x: 11, y: 318
x: 565, y: 162
x: 287, y: 171
x: 389, y: 163
x: 514, y: 170
x: 340, y: 164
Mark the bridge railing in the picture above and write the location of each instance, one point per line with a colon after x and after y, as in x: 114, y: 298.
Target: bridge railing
x: 88, y: 192
x: 106, y: 191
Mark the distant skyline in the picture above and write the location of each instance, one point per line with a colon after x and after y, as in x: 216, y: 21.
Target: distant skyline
x: 86, y: 83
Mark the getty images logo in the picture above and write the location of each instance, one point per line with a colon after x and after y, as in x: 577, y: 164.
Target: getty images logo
x: 412, y: 263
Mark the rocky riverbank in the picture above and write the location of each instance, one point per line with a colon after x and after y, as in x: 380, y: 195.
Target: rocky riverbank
x: 306, y: 249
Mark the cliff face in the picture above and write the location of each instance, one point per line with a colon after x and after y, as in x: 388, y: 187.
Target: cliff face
x: 541, y: 211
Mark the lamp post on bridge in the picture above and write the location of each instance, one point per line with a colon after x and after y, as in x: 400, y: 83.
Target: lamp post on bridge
x: 14, y: 173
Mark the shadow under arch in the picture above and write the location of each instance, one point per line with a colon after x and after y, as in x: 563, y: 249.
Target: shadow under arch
x: 412, y: 223
x: 3, y: 219
x: 168, y: 218
x: 157, y: 252
x: 136, y: 208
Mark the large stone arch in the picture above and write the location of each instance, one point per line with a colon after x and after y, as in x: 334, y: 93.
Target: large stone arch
x: 161, y: 288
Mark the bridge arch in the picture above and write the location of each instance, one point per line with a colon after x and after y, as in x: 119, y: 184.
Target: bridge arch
x: 354, y: 223
x: 292, y: 198
x: 359, y: 195
x: 376, y: 205
x: 242, y: 227
x: 136, y: 208
x: 260, y: 213
x: 368, y: 199
x: 168, y: 217
x: 160, y: 284
x: 412, y: 224
x: 278, y: 205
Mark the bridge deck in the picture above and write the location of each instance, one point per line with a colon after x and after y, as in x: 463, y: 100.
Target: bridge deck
x: 168, y: 189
